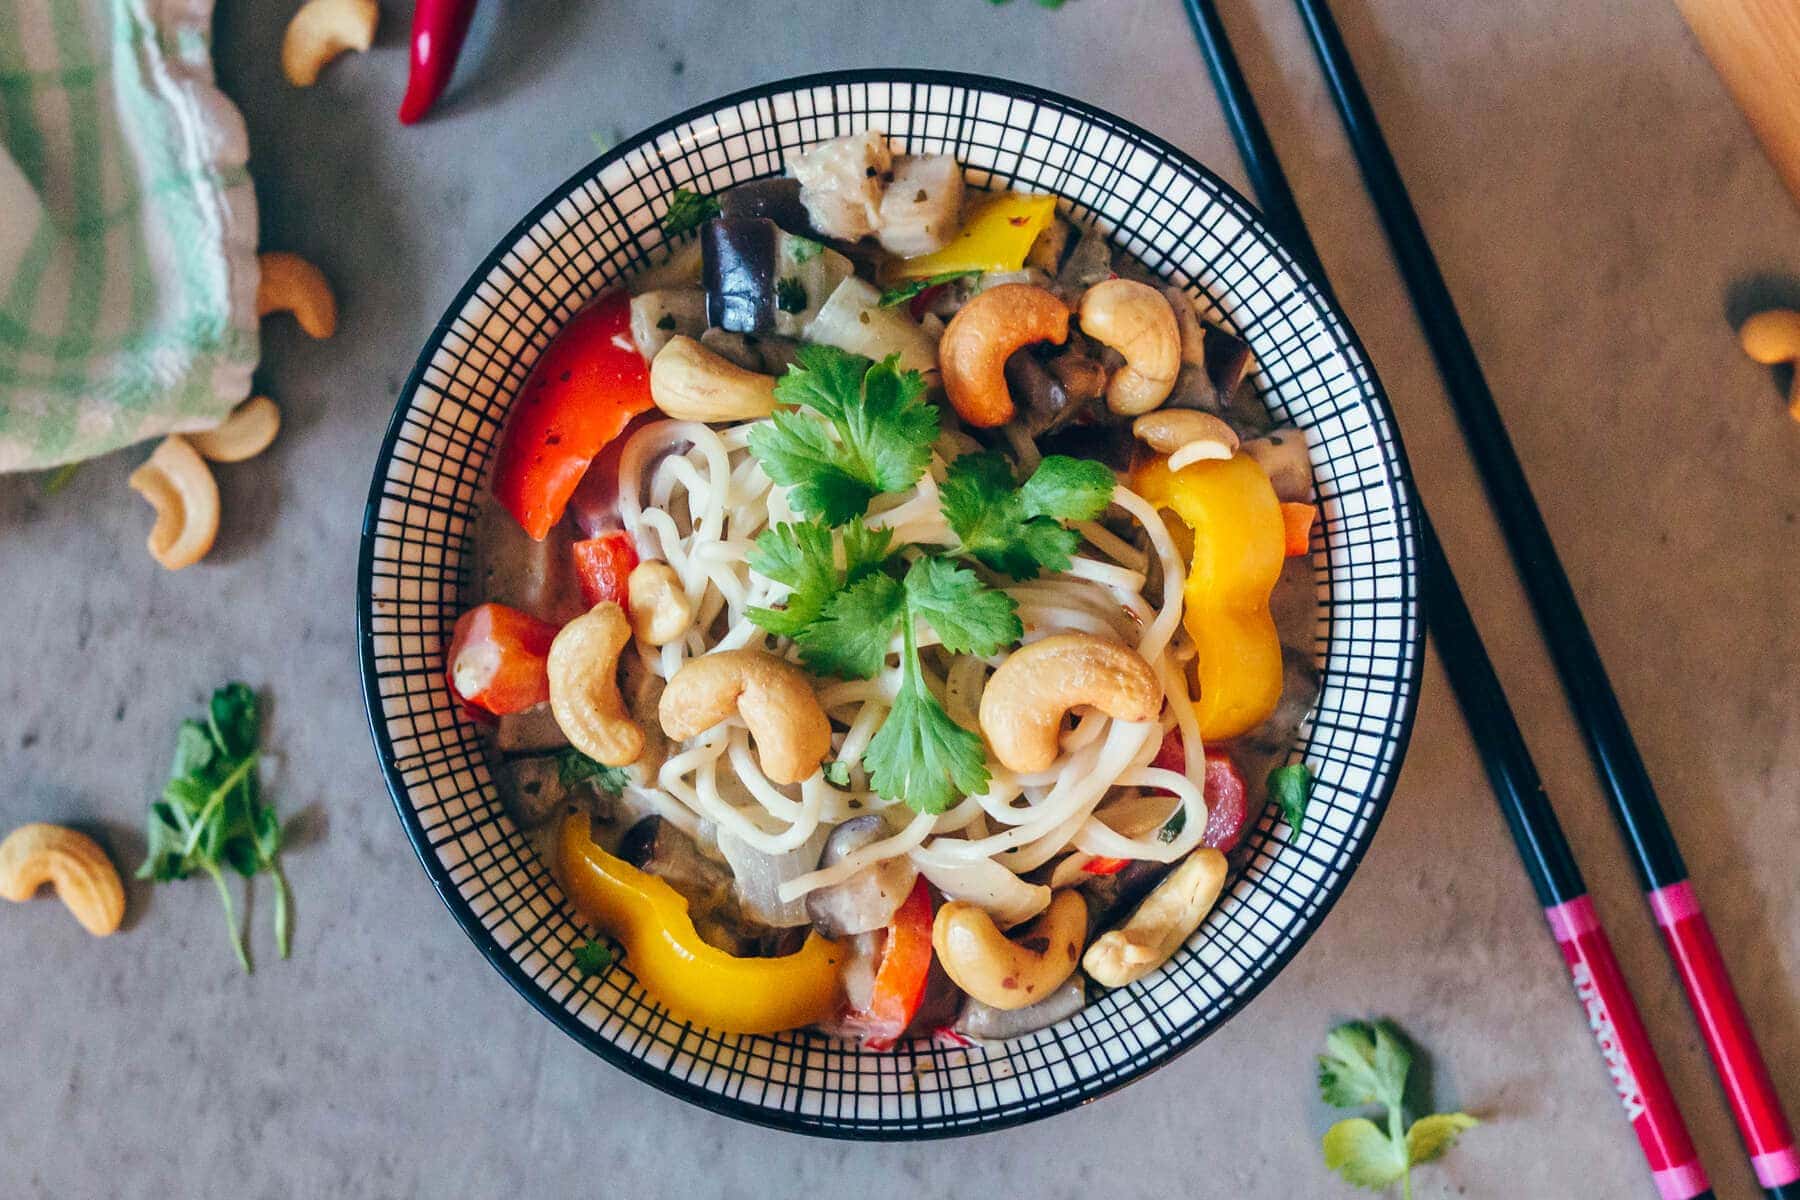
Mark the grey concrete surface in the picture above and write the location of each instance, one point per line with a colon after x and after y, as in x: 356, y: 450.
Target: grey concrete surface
x: 1602, y: 215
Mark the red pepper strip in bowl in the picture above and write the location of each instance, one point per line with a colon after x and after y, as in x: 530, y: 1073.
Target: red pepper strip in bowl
x: 900, y: 976
x: 439, y: 27
x: 586, y: 387
x: 497, y: 659
x: 603, y: 565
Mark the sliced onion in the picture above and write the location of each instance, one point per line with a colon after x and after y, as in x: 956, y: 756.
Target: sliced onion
x: 760, y: 876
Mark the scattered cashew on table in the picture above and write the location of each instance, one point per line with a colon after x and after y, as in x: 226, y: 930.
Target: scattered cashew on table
x: 1773, y: 338
x: 175, y: 478
x: 73, y: 864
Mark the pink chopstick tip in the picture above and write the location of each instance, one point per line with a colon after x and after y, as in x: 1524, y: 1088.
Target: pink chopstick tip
x: 1777, y: 1167
x: 1676, y: 902
x: 1680, y: 1183
x: 1572, y: 918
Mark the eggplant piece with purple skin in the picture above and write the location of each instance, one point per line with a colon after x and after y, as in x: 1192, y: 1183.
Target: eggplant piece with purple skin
x: 1228, y: 361
x: 737, y: 268
x: 776, y: 200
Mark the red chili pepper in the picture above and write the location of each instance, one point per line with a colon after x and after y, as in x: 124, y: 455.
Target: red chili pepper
x: 496, y: 660
x: 439, y: 27
x: 900, y: 976
x: 1102, y: 865
x: 587, y: 385
x: 603, y: 565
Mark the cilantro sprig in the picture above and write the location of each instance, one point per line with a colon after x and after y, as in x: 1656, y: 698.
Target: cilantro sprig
x: 212, y: 815
x: 573, y: 769
x: 1018, y: 529
x: 592, y: 958
x: 1365, y: 1066
x: 875, y: 437
x: 687, y: 212
x: 896, y: 296
x: 1291, y: 788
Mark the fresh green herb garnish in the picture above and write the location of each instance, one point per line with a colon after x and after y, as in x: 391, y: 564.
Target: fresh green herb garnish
x: 573, y: 768
x: 837, y: 773
x: 592, y: 958
x: 804, y: 558
x: 803, y: 249
x: 1291, y: 787
x: 212, y: 815
x: 1366, y: 1065
x: 1018, y: 529
x: 790, y: 295
x: 896, y: 296
x: 688, y: 211
x: 884, y: 430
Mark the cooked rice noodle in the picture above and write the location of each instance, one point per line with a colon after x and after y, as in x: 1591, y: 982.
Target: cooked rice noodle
x: 695, y: 497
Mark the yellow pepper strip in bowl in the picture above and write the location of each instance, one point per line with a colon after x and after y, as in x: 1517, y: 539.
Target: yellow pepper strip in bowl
x: 1239, y: 544
x: 996, y: 237
x: 698, y: 982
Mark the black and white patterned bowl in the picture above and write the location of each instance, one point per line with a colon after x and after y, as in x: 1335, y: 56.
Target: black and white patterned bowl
x: 598, y: 228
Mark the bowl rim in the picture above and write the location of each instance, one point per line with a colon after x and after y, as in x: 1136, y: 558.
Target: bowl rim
x: 1399, y: 474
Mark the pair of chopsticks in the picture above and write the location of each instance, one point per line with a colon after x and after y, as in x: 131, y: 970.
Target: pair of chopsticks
x: 1651, y: 1108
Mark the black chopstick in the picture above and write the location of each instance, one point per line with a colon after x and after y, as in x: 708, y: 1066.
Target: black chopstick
x: 1754, y: 1103
x: 1538, y: 836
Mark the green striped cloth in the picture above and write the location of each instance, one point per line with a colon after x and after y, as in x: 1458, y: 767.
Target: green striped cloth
x: 127, y: 229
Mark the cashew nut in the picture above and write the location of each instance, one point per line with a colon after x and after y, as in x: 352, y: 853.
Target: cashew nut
x: 660, y: 609
x: 584, y: 686
x: 73, y: 864
x: 291, y: 284
x: 1774, y: 337
x: 244, y: 434
x: 1161, y: 923
x: 983, y: 334
x: 691, y: 383
x: 322, y: 30
x: 1023, y: 706
x: 774, y: 697
x: 1004, y: 972
x: 179, y: 486
x: 1134, y: 319
x: 1185, y: 435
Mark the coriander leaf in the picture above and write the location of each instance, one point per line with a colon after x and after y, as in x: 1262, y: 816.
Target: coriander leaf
x: 802, y: 557
x: 1291, y: 788
x: 970, y: 617
x: 799, y: 453
x: 837, y: 773
x: 851, y: 638
x: 1068, y: 489
x: 804, y: 249
x: 1364, y: 1064
x: 883, y: 432
x: 1357, y: 1150
x: 790, y: 295
x: 920, y: 756
x: 592, y: 958
x: 573, y: 769
x: 1018, y: 530
x: 236, y: 725
x: 688, y: 211
x: 194, y: 749
x: 1430, y: 1136
x: 896, y: 296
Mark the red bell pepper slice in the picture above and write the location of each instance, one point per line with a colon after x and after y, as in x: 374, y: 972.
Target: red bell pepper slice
x: 587, y: 385
x: 901, y: 974
x: 603, y: 565
x: 497, y: 659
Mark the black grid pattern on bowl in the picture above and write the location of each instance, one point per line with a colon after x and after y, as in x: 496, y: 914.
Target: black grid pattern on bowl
x: 601, y: 226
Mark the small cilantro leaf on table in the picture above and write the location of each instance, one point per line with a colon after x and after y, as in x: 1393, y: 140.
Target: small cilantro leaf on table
x: 211, y: 815
x: 1366, y: 1065
x: 1018, y: 529
x: 876, y: 436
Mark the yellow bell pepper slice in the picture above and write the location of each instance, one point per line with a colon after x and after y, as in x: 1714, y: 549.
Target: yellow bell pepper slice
x: 996, y: 237
x: 698, y: 982
x: 1239, y: 545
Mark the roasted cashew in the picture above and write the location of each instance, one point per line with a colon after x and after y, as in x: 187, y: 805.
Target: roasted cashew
x: 244, y: 434
x: 1134, y: 319
x: 73, y: 864
x: 691, y: 383
x: 1185, y: 435
x: 322, y: 30
x: 1004, y: 972
x: 1023, y: 706
x: 1161, y: 923
x: 179, y: 486
x: 291, y: 284
x: 774, y: 697
x: 983, y: 334
x: 584, y: 686
x: 660, y: 610
x: 1774, y: 337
